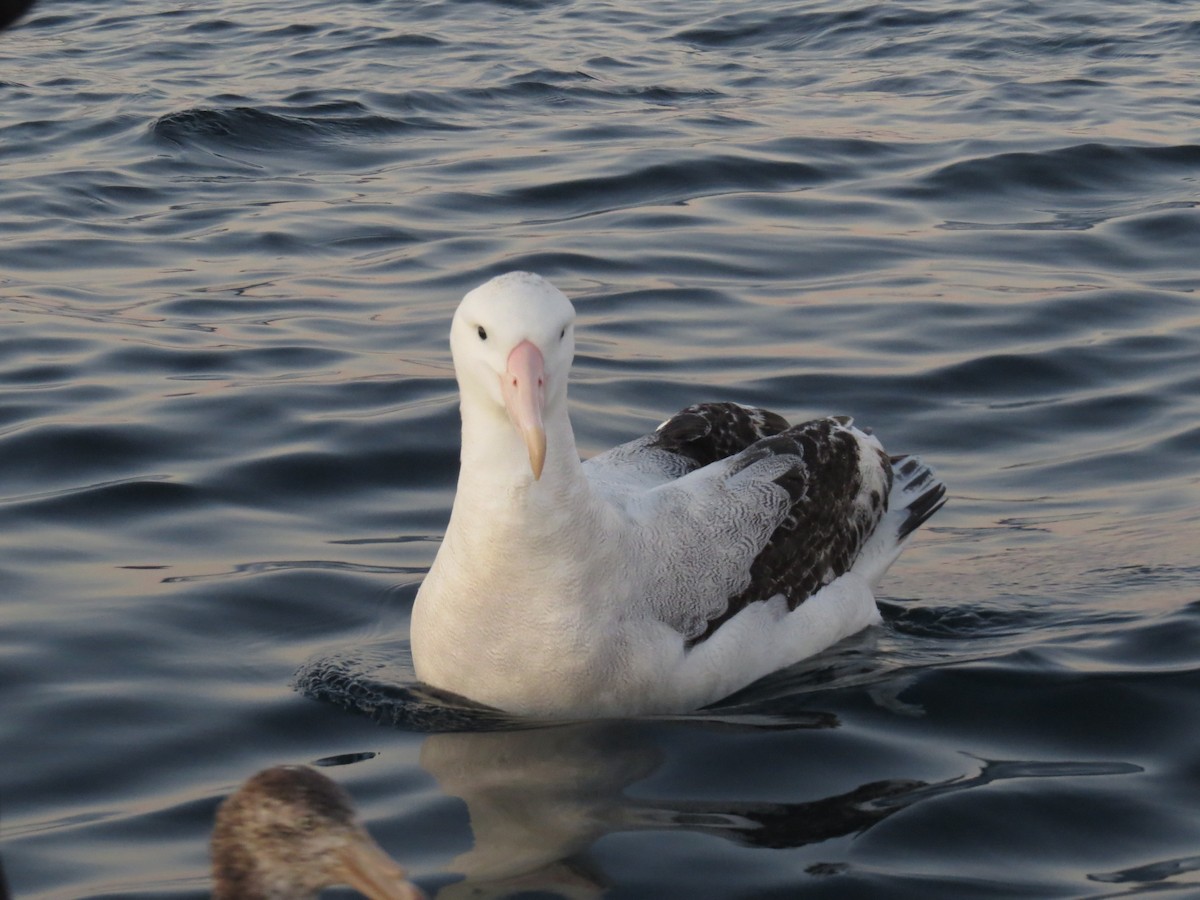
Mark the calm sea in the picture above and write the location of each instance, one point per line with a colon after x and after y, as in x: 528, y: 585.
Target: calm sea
x: 232, y: 235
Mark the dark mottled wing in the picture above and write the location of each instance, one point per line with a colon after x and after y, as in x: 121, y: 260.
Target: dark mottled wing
x: 838, y: 486
x: 746, y: 508
x: 691, y: 439
x: 707, y: 432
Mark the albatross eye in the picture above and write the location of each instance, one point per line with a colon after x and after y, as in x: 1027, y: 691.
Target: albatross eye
x: 562, y: 334
x: 482, y: 333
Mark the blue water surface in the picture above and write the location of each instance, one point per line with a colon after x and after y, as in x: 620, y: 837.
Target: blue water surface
x: 231, y: 239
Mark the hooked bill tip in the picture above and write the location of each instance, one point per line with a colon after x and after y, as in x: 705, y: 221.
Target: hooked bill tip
x: 535, y: 443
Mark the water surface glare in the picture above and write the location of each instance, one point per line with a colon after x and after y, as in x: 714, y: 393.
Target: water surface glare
x: 233, y: 237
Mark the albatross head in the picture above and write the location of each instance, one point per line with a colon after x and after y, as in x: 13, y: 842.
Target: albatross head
x: 288, y: 832
x: 513, y: 340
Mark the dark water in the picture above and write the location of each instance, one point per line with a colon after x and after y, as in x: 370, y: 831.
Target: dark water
x: 232, y: 238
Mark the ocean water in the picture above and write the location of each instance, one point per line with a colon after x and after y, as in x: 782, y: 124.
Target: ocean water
x: 231, y: 239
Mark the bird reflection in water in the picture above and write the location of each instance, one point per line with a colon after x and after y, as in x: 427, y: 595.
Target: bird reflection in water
x: 288, y: 832
x: 538, y: 798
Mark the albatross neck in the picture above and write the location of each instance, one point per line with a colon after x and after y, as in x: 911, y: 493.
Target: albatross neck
x: 495, y: 461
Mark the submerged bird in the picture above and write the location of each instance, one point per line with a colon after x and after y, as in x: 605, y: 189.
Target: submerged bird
x: 661, y: 575
x: 288, y: 832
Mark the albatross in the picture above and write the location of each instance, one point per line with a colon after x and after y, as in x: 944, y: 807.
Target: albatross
x: 659, y: 576
x: 288, y: 832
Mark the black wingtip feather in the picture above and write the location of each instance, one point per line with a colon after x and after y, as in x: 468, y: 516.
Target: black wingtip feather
x: 924, y: 506
x: 912, y: 475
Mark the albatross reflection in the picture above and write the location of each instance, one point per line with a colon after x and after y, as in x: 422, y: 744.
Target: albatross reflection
x: 539, y: 798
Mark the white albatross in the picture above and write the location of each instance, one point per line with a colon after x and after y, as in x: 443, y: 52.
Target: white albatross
x: 661, y: 575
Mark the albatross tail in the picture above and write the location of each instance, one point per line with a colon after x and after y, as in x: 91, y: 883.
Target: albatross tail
x: 915, y: 496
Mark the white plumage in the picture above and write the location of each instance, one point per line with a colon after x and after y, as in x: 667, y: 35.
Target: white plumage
x: 659, y: 576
